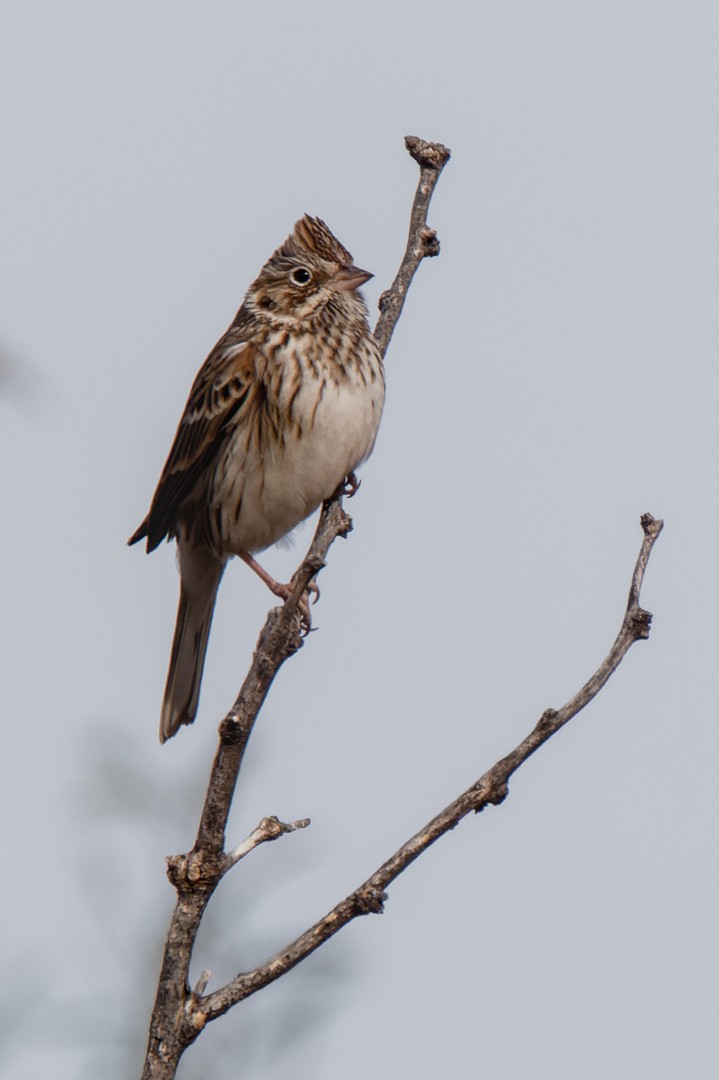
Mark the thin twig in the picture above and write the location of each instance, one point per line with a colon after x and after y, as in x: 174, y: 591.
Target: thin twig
x: 491, y: 788
x: 202, y: 983
x: 422, y: 242
x: 270, y: 828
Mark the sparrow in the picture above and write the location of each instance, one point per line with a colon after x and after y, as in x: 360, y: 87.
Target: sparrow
x: 282, y: 412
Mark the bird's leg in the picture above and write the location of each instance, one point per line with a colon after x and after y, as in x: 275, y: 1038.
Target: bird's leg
x: 283, y: 591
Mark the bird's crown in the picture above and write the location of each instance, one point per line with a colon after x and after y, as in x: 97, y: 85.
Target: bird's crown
x: 311, y: 235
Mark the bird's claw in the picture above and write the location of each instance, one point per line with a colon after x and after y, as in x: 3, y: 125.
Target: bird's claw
x: 303, y: 606
x: 351, y: 485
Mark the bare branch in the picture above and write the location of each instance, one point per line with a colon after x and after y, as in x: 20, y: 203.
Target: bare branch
x: 491, y: 788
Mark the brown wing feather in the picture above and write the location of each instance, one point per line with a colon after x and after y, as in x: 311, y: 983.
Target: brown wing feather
x: 217, y: 393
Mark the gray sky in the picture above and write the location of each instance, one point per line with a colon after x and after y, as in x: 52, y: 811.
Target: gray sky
x: 553, y: 376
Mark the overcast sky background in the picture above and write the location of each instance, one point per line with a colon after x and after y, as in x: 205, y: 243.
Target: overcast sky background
x: 553, y: 376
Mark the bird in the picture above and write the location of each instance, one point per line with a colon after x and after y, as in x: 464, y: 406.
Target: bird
x: 282, y: 412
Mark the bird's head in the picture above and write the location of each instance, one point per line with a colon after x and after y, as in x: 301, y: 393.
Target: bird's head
x: 310, y: 270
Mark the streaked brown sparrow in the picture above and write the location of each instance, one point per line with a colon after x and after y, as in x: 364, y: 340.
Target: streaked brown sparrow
x: 285, y: 407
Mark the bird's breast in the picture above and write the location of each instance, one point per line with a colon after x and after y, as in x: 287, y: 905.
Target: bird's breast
x: 304, y: 427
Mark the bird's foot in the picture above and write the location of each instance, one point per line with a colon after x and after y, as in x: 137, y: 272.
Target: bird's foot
x: 312, y: 591
x: 284, y: 591
x: 351, y: 485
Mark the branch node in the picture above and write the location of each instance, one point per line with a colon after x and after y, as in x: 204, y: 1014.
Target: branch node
x: 639, y: 623
x: 345, y: 526
x: 546, y: 722
x: 498, y: 793
x: 384, y: 300
x: 369, y: 900
x: 315, y: 563
x: 430, y: 243
x: 231, y: 731
x: 489, y: 791
x: 196, y: 872
x: 196, y: 1016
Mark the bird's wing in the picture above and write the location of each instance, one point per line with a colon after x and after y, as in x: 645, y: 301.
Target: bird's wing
x: 221, y: 386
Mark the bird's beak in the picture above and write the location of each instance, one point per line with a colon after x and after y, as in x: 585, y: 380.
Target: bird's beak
x: 349, y: 277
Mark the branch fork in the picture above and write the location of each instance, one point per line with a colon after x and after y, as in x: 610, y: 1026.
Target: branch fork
x: 490, y: 789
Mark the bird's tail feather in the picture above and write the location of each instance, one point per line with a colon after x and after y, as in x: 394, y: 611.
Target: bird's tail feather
x: 200, y: 576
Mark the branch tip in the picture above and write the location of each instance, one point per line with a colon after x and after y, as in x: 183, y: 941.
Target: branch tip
x: 428, y: 155
x: 652, y: 526
x: 272, y: 827
x: 422, y: 242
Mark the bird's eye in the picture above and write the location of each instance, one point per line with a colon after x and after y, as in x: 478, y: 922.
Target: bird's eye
x: 301, y: 276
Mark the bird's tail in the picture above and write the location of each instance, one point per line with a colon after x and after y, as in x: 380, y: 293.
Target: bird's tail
x: 200, y: 575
